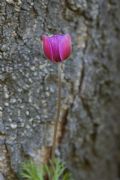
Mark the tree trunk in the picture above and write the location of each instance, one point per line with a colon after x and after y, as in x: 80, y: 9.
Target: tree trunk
x: 89, y: 129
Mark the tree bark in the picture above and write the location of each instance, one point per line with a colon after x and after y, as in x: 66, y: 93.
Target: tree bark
x: 89, y: 130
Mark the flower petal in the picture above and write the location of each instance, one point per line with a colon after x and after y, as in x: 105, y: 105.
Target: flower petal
x: 47, y: 47
x: 65, y: 47
x: 54, y: 41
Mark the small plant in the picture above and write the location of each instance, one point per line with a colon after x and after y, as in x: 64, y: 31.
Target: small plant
x: 57, y: 48
x: 55, y: 170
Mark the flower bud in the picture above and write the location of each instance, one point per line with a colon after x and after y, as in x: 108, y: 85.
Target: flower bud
x: 57, y: 48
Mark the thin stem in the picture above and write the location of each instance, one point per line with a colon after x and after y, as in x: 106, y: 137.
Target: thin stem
x: 58, y: 110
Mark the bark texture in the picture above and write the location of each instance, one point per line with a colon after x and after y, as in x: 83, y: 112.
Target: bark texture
x: 89, y: 131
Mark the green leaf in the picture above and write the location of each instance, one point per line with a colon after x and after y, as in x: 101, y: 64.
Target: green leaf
x: 55, y: 170
x: 30, y: 171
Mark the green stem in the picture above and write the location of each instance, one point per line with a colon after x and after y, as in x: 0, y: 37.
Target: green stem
x: 58, y: 110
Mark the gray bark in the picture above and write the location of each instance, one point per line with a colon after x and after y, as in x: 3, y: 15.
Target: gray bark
x: 89, y: 130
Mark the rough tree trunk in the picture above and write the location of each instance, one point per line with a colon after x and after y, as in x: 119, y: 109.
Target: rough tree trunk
x: 89, y: 130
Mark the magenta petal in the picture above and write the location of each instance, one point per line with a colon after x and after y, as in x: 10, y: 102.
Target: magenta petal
x: 65, y: 47
x: 47, y: 47
x: 54, y: 41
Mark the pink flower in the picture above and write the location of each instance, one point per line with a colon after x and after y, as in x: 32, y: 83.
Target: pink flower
x: 57, y: 48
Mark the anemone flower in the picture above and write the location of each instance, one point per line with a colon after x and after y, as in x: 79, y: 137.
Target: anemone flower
x: 57, y: 48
